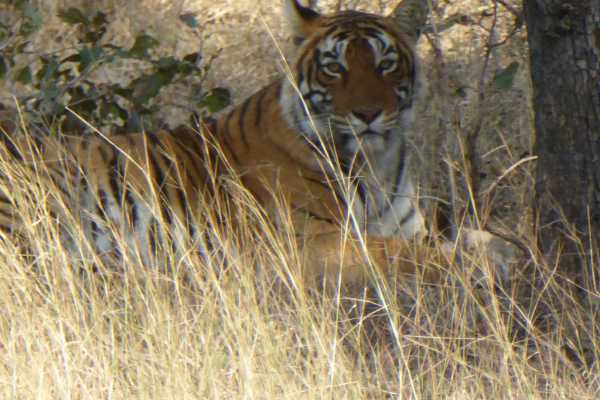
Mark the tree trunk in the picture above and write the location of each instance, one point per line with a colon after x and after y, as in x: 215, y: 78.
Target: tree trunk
x: 564, y: 41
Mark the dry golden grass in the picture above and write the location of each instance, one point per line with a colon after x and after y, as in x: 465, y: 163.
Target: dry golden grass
x: 187, y: 330
x: 75, y: 327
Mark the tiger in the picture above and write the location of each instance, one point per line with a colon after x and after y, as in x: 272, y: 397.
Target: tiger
x: 329, y: 140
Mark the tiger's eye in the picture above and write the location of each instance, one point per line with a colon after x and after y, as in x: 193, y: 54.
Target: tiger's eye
x: 334, y: 68
x: 387, y: 65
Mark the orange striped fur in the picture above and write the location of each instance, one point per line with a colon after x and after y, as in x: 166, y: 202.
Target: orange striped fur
x: 328, y: 142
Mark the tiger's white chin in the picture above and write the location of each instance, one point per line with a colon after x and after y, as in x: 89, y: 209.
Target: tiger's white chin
x: 369, y: 142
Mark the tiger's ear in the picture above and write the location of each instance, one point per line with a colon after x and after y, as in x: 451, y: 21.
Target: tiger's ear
x: 410, y: 16
x: 302, y: 20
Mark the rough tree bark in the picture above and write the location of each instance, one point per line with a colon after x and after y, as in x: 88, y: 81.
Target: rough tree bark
x: 564, y: 41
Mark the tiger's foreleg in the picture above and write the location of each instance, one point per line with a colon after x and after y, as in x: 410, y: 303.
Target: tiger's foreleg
x: 350, y: 259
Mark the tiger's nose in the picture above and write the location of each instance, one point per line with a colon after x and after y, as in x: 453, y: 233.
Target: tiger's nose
x: 367, y: 114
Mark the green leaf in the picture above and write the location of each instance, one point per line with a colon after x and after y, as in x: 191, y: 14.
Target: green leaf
x: 3, y: 67
x: 170, y: 66
x: 77, y: 94
x: 50, y: 93
x: 193, y: 58
x: 216, y: 100
x: 504, y: 78
x: 72, y: 58
x: 94, y: 36
x: 186, y: 69
x: 67, y: 74
x: 190, y: 20
x: 73, y: 16
x: 34, y: 16
x: 100, y: 20
x: 97, y: 28
x: 20, y: 4
x: 32, y: 22
x: 49, y: 70
x: 86, y: 107
x: 82, y: 101
x: 118, y: 111
x: 89, y: 55
x: 109, y: 108
x: 143, y: 43
x: 461, y: 92
x: 120, y: 91
x: 167, y: 64
x: 4, y: 30
x: 147, y: 87
x: 21, y: 47
x: 133, y: 123
x: 24, y: 75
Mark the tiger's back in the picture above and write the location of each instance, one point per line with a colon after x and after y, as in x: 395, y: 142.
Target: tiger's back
x: 134, y: 186
x: 111, y: 189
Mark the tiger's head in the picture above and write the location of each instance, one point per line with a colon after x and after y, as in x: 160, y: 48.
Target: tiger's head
x: 355, y: 75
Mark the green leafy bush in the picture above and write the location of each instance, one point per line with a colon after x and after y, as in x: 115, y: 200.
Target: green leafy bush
x: 62, y: 81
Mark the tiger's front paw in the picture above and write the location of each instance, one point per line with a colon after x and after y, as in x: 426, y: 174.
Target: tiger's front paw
x: 501, y: 254
x: 483, y: 249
